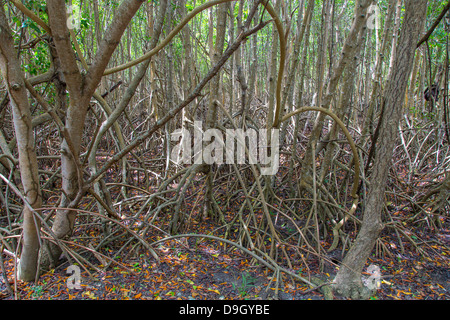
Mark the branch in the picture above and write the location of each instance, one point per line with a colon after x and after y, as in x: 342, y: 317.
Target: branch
x: 114, y: 87
x: 180, y: 26
x: 58, y: 24
x: 434, y: 26
x: 346, y: 133
x: 270, y: 265
x: 140, y: 73
x: 30, y: 14
x: 197, y: 91
x: 109, y: 42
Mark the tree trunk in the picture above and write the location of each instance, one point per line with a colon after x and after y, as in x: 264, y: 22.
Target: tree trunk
x: 341, y: 109
x: 81, y: 88
x: 348, y: 280
x: 288, y: 94
x: 216, y: 51
x: 272, y: 83
x: 378, y: 71
x: 347, y: 56
x: 13, y: 78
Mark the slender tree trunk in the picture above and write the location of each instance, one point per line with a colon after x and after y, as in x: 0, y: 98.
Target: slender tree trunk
x: 344, y: 101
x: 237, y: 67
x: 348, y: 280
x: 189, y: 63
x: 13, y: 79
x: 211, y: 118
x: 290, y: 83
x: 322, y: 52
x: 378, y: 70
x: 81, y: 88
x: 347, y: 56
x: 299, y: 98
x: 398, y: 12
x: 273, y: 72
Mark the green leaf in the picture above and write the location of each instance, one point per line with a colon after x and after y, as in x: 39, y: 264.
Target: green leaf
x: 34, y: 26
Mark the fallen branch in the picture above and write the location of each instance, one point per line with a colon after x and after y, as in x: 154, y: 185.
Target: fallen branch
x: 271, y: 265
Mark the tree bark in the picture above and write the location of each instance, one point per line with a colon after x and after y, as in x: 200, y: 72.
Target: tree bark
x: 378, y: 70
x: 13, y: 78
x: 81, y: 88
x: 216, y: 51
x: 348, y: 280
x: 272, y: 80
x: 347, y: 55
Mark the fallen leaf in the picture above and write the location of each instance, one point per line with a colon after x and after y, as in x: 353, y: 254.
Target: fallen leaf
x: 90, y: 295
x: 213, y: 290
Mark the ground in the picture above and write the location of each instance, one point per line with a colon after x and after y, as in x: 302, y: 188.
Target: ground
x: 190, y: 269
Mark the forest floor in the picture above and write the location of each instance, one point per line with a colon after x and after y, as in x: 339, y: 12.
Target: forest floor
x: 192, y: 268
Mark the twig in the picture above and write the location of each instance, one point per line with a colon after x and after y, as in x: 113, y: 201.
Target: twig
x: 271, y: 265
x: 2, y: 266
x: 315, y: 288
x: 435, y: 24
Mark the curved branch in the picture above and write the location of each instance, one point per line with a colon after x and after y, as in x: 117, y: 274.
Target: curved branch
x: 434, y: 26
x: 171, y: 113
x: 346, y: 133
x: 190, y: 16
x: 268, y: 264
x: 354, y: 193
x: 186, y: 20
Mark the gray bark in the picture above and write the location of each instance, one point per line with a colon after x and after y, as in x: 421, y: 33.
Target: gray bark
x: 14, y: 81
x: 348, y: 280
x: 81, y: 88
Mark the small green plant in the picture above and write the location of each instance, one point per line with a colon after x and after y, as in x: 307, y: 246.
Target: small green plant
x: 137, y: 267
x: 247, y: 283
x: 37, y: 291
